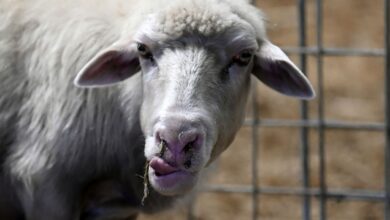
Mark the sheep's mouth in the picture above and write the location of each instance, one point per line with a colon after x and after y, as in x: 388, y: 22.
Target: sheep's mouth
x: 161, y: 167
x: 168, y: 179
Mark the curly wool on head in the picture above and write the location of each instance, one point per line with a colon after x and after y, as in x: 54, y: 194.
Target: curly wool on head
x: 194, y: 18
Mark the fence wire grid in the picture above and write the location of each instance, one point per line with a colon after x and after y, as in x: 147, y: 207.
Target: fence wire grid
x: 306, y: 192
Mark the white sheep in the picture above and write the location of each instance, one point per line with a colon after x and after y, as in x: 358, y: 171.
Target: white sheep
x: 166, y: 85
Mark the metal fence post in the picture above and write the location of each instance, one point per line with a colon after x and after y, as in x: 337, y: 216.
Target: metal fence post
x: 255, y: 188
x: 387, y: 109
x: 255, y: 117
x: 304, y: 131
x: 321, y: 124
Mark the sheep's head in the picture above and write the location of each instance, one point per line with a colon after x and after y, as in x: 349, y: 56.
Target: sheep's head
x: 196, y: 61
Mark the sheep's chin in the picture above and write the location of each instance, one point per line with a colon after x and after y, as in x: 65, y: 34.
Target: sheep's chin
x: 173, y: 184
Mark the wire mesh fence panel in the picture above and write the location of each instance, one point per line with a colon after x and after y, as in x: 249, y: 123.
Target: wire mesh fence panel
x: 328, y: 199
x: 332, y: 154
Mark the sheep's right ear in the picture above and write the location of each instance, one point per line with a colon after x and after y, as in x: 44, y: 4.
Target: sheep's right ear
x: 277, y: 71
x: 110, y: 66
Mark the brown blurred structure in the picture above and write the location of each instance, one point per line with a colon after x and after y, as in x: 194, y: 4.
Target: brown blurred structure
x: 323, y: 159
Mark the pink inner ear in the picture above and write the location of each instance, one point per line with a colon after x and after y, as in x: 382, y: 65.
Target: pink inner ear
x: 108, y: 68
x: 275, y: 69
x: 98, y: 66
x: 283, y: 77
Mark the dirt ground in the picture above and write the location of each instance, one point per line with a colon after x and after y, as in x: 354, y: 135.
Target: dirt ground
x: 353, y: 92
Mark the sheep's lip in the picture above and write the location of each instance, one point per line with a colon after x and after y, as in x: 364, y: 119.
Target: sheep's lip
x: 161, y: 167
x: 169, y: 180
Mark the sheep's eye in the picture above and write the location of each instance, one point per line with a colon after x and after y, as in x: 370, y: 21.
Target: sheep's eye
x: 144, y: 51
x: 243, y: 58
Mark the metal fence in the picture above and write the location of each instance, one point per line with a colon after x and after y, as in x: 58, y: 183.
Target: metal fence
x: 322, y: 193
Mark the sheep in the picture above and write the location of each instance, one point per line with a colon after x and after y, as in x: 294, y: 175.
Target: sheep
x: 91, y: 91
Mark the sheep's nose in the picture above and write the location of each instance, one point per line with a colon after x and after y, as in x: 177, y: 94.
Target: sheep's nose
x: 178, y: 140
x: 180, y: 137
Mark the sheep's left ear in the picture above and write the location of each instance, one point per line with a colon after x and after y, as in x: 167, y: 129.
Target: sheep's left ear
x: 277, y: 71
x: 111, y: 65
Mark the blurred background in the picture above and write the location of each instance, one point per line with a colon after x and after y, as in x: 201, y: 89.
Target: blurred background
x: 353, y: 93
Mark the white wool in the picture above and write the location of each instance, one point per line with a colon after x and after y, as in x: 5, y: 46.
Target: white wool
x: 45, y: 43
x: 51, y: 31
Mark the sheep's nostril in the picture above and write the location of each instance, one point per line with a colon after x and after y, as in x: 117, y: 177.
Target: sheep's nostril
x: 163, y: 148
x: 188, y: 147
x: 188, y: 150
x: 188, y: 164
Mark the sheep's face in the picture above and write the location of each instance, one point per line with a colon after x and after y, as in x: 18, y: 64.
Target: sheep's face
x: 194, y: 99
x: 195, y: 83
x: 196, y: 67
